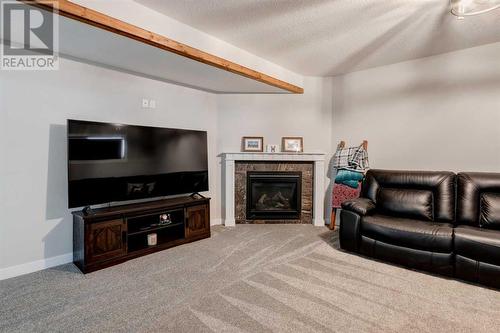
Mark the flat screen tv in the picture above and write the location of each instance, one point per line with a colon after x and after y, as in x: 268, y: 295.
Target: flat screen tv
x: 114, y: 162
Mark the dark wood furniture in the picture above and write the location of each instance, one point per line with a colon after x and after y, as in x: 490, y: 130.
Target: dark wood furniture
x: 109, y: 236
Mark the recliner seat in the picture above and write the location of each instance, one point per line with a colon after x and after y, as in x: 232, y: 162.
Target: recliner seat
x: 408, y: 217
x: 477, y: 235
x: 419, y: 235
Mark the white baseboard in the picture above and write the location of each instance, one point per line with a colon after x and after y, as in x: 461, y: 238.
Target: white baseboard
x: 34, y: 266
x: 215, y: 221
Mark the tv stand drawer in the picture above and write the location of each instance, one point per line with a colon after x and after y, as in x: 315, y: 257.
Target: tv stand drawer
x: 106, y: 240
x: 197, y: 221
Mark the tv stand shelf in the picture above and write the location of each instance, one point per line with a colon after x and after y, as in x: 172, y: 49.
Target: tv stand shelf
x: 152, y: 229
x: 109, y: 236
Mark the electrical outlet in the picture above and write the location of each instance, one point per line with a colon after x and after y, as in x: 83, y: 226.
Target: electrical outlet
x: 152, y: 104
x: 145, y: 103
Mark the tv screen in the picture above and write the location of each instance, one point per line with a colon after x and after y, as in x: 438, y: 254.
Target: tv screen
x: 115, y: 162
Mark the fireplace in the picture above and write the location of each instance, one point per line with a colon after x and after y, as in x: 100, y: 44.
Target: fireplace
x: 273, y: 195
x: 236, y: 166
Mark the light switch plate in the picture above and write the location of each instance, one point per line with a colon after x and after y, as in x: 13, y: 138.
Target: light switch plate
x: 145, y: 103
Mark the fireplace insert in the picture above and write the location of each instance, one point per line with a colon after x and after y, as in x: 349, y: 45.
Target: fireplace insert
x: 273, y: 195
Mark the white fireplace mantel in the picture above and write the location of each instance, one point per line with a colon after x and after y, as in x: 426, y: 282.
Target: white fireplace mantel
x: 228, y: 171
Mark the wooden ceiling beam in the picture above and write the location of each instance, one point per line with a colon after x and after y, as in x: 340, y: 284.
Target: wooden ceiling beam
x: 89, y: 16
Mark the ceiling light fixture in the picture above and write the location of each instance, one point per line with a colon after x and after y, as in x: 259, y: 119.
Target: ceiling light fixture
x: 462, y: 8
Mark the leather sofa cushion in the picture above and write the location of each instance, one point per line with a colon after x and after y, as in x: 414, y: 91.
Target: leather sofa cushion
x: 360, y: 206
x: 478, y: 244
x: 441, y: 263
x: 406, y: 203
x: 472, y: 188
x: 490, y: 211
x: 419, y: 235
x: 440, y: 183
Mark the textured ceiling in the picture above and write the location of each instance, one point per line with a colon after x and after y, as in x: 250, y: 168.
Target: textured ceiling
x: 332, y: 37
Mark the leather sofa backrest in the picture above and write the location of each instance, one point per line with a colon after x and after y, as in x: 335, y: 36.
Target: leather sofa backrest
x: 426, y: 195
x: 478, y: 199
x: 406, y: 202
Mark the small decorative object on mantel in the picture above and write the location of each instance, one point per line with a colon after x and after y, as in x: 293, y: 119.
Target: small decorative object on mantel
x: 253, y: 144
x: 272, y: 148
x: 292, y: 144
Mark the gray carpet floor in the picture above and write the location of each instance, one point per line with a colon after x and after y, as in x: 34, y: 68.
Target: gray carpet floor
x: 252, y: 278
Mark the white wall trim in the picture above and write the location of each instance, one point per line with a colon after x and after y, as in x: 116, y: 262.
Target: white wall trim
x: 215, y: 221
x: 34, y: 266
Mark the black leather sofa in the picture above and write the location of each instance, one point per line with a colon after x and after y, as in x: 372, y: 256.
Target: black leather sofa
x: 408, y: 218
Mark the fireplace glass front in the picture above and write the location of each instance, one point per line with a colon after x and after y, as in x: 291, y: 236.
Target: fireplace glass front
x: 273, y: 195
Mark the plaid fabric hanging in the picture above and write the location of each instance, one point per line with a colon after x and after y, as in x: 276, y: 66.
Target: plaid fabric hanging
x: 343, y: 156
x: 352, y: 158
x: 359, y: 160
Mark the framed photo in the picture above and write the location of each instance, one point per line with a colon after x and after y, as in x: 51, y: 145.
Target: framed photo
x: 253, y: 143
x: 292, y: 144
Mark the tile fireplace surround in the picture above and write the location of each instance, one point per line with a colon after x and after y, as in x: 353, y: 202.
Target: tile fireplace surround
x: 229, y: 161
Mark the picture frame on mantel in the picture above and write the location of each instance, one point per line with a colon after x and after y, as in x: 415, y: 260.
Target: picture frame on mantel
x: 292, y: 144
x: 252, y: 144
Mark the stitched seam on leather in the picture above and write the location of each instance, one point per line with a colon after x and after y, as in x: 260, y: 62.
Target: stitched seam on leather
x: 433, y: 217
x: 442, y: 236
x: 376, y: 183
x: 437, y: 186
x: 442, y: 180
x: 476, y: 189
x: 455, y: 200
x: 480, y: 210
x: 413, y: 247
x: 481, y: 199
x: 409, y: 248
x: 481, y: 243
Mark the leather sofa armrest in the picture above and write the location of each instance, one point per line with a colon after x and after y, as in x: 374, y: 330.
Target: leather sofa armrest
x: 360, y: 206
x: 349, y: 233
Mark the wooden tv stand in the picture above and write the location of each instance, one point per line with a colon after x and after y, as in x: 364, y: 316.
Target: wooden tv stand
x: 109, y: 236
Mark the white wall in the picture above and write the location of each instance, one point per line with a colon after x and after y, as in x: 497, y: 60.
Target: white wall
x: 435, y: 113
x: 275, y: 116
x: 36, y: 223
